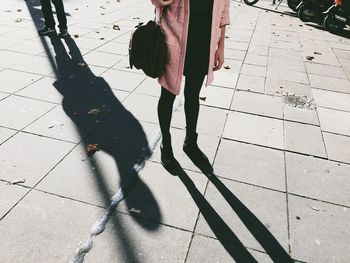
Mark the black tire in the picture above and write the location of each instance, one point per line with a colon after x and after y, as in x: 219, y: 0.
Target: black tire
x: 332, y: 25
x: 250, y: 2
x: 302, y: 14
x: 292, y: 4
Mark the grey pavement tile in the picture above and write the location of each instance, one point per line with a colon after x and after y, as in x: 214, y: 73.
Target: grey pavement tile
x: 7, y: 41
x: 285, y: 54
x: 3, y: 96
x: 30, y: 157
x: 207, y: 143
x: 102, y: 59
x: 225, y: 79
x: 319, y: 232
x: 216, y: 96
x: 345, y: 63
x: 149, y: 87
x: 325, y: 58
x: 46, y: 227
x: 88, y: 43
x: 143, y: 107
x: 115, y: 48
x: 251, y: 164
x: 258, y: 50
x: 13, y: 81
x: 37, y: 65
x: 295, y: 46
x: 122, y: 80
x: 254, y: 70
x: 325, y: 70
x: 211, y: 120
x: 57, y: 124
x: 5, y: 134
x: 304, y: 138
x: 251, y: 83
x: 235, y: 54
x: 33, y: 47
x: 280, y: 87
x: 120, y: 94
x: 318, y: 179
x: 271, y: 212
x: 334, y: 121
x: 43, y: 89
x: 333, y: 100
x: 260, y: 104
x: 287, y: 75
x: 254, y: 129
x: 237, y: 45
x: 9, y: 58
x: 9, y: 196
x: 134, y: 240
x: 204, y: 249
x: 159, y: 196
x: 231, y: 65
x: 25, y: 110
x: 280, y: 64
x: 256, y: 60
x: 302, y: 115
x: 338, y: 147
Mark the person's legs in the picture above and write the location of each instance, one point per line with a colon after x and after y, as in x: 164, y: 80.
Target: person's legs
x: 193, y: 86
x: 61, y: 15
x: 47, y: 13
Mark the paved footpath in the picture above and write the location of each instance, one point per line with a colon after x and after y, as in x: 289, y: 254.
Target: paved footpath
x: 275, y: 124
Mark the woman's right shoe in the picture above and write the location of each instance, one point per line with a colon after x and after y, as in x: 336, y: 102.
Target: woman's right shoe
x: 168, y: 160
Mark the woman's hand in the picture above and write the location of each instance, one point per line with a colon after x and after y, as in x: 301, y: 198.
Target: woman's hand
x: 219, y: 58
x: 165, y: 2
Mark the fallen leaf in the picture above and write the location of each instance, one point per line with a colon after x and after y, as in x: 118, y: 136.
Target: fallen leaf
x: 18, y: 20
x: 19, y: 181
x: 76, y: 36
x: 315, y: 208
x: 92, y: 149
x: 94, y: 112
x: 116, y: 27
x: 227, y: 67
x: 134, y: 210
x: 203, y: 98
x: 310, y: 58
x: 19, y: 10
x: 317, y: 53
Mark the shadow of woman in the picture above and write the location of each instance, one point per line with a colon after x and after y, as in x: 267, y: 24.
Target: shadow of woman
x: 101, y: 119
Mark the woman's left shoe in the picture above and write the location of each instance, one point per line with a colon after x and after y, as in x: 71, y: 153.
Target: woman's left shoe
x: 198, y: 158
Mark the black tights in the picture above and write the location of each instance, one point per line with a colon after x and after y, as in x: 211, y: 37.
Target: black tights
x: 193, y: 86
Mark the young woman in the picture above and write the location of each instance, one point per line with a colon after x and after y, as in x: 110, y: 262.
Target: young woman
x: 195, y: 34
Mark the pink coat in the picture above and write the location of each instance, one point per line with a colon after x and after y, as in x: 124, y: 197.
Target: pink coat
x: 175, y: 26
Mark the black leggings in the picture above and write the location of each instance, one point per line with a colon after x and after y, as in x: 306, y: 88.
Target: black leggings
x: 193, y: 86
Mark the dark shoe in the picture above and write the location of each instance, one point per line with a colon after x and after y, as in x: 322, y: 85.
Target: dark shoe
x: 193, y: 152
x: 168, y: 160
x: 63, y: 33
x: 46, y: 31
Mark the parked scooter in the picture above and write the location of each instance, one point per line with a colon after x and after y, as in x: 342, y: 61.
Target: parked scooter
x: 312, y: 10
x: 337, y: 16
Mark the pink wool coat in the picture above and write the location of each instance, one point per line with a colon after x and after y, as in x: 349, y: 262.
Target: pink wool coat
x: 175, y: 26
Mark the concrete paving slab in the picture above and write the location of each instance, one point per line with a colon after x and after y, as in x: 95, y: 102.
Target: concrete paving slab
x: 287, y: 75
x: 10, y: 196
x: 345, y: 63
x: 204, y: 249
x: 271, y: 213
x: 254, y: 129
x: 114, y: 48
x: 338, y: 147
x: 334, y: 121
x: 260, y: 104
x: 285, y: 54
x: 256, y: 60
x: 216, y: 96
x: 122, y: 80
x: 333, y: 100
x: 231, y: 65
x: 253, y: 70
x: 280, y: 87
x: 149, y: 87
x: 102, y: 59
x: 296, y: 114
x: 225, y: 79
x: 251, y: 83
x: 251, y: 164
x: 25, y: 110
x: 281, y: 64
x: 318, y: 179
x: 42, y: 89
x: 312, y: 238
x: 235, y: 54
x: 5, y: 134
x: 44, y: 154
x: 324, y: 70
x: 18, y: 80
x: 37, y: 65
x: 258, y: 50
x: 328, y: 83
x: 46, y: 227
x: 305, y: 139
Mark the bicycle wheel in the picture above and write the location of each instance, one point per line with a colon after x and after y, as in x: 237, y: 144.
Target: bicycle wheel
x: 250, y: 2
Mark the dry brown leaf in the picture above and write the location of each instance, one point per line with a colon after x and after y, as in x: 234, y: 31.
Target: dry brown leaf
x: 116, y: 27
x: 92, y: 149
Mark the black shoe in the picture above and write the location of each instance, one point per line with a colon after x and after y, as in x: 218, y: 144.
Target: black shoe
x: 168, y: 160
x: 46, y: 31
x: 63, y: 33
x: 193, y: 152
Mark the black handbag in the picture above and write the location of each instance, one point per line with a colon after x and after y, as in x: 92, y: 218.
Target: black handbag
x: 148, y: 50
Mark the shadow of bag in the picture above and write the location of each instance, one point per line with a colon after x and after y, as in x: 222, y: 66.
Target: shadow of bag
x: 148, y: 50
